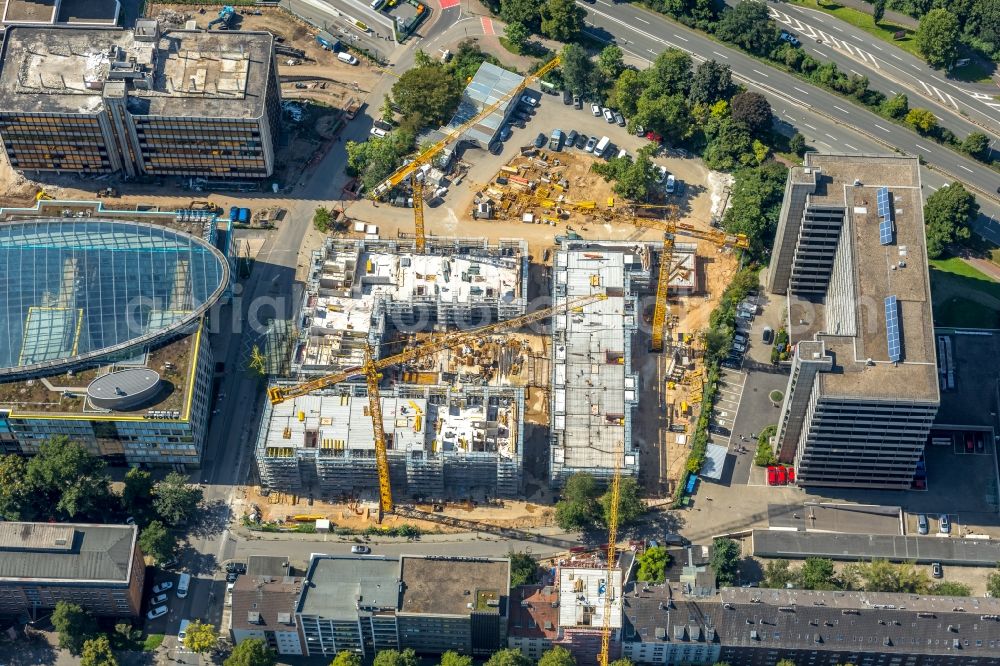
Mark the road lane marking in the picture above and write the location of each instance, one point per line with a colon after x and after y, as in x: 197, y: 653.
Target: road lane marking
x: 831, y: 136
x: 837, y: 27
x: 896, y: 57
x: 762, y: 73
x: 683, y: 39
x: 857, y: 38
x: 824, y: 143
x: 875, y: 46
x: 924, y: 148
x: 810, y: 126
x: 723, y: 55
x: 642, y: 20
x: 915, y: 67
x: 804, y: 92
x: 850, y: 146
x: 962, y: 166
x: 932, y: 187
x: 854, y: 71
x: 841, y: 110
x: 884, y: 129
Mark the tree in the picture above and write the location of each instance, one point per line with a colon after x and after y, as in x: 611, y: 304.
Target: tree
x: 817, y: 573
x: 627, y: 90
x: 373, y: 160
x: 345, y: 658
x: 517, y: 35
x: 896, y: 106
x: 523, y: 569
x: 251, y: 652
x: 777, y: 574
x: 993, y: 582
x: 667, y: 114
x: 396, y: 658
x: 75, y: 626
x: 756, y: 204
x: 711, y: 82
x: 976, y: 144
x: 508, y: 657
x: 878, y: 11
x: 948, y: 214
x: 921, y: 120
x: 634, y: 179
x: 725, y: 560
x: 785, y: 662
x: 322, y: 219
x: 137, y: 493
x: 68, y: 482
x: 610, y: 62
x: 429, y: 91
x: 749, y: 26
x: 524, y: 12
x: 577, y: 509
x: 562, y: 20
x: 670, y: 73
x: 452, y: 658
x: 175, y: 499
x: 797, y: 144
x: 557, y: 656
x: 753, y: 109
x: 201, y: 637
x: 937, y: 37
x: 576, y: 67
x: 951, y: 589
x: 624, y: 661
x: 157, y: 542
x: 653, y: 565
x: 630, y: 507
x: 729, y: 146
x: 97, y: 652
x: 15, y: 494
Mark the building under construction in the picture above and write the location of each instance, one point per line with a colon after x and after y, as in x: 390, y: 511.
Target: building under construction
x: 443, y: 442
x: 359, y: 289
x: 594, y: 390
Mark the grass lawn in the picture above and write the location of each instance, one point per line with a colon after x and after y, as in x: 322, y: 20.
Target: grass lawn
x: 951, y: 280
x: 884, y: 30
x: 152, y: 642
x: 975, y: 72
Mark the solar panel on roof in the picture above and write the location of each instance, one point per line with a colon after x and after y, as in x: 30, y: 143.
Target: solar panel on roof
x: 892, y: 328
x: 885, y: 231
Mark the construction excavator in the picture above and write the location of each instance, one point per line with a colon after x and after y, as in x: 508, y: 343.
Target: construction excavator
x: 428, y: 154
x: 371, y: 370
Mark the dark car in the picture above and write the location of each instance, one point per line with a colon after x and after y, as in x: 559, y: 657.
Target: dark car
x: 236, y: 567
x: 620, y: 119
x: 980, y: 443
x: 540, y: 140
x: 936, y: 570
x: 969, y: 445
x: 496, y: 148
x: 681, y: 186
x: 767, y: 335
x: 567, y: 97
x: 231, y: 577
x: 505, y: 132
x: 719, y: 430
x: 571, y: 138
x: 581, y: 141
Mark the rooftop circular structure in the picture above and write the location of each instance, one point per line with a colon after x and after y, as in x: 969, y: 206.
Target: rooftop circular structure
x: 124, y: 389
x: 78, y: 290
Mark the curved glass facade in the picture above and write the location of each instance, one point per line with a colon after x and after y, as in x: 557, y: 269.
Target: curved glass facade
x: 71, y: 290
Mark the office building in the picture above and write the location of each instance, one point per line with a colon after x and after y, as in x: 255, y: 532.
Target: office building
x: 594, y: 388
x: 99, y: 567
x: 850, y: 255
x: 358, y: 290
x: 139, y: 102
x: 442, y: 442
x: 263, y: 607
x: 103, y: 342
x: 431, y: 604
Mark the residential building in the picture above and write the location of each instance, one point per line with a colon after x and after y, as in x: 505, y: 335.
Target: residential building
x: 534, y: 619
x: 105, y: 338
x: 99, y: 567
x: 431, y: 604
x: 263, y: 607
x: 584, y: 589
x: 594, y: 388
x: 445, y: 442
x: 850, y: 255
x: 759, y: 627
x: 139, y: 102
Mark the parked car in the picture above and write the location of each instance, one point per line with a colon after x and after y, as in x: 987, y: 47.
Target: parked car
x: 782, y: 476
x: 767, y: 335
x: 789, y: 37
x: 540, y: 140
x: 772, y: 476
x: 740, y: 337
x: 609, y: 115
x: 567, y: 97
x: 620, y: 119
x: 378, y: 131
x: 661, y: 174
x: 922, y: 524
x: 577, y: 102
x: 671, y: 184
x: 980, y: 443
x: 791, y: 475
x: 505, y: 132
x: 591, y: 142
x: 238, y: 567
x: 529, y: 100
x: 556, y: 140
x: 719, y: 430
x: 945, y: 524
x: 162, y: 587
x: 681, y: 187
x: 741, y: 348
x: 969, y: 444
x: 596, y: 110
x: 496, y: 148
x: 571, y: 138
x: 360, y: 550
x: 936, y: 570
x: 640, y: 130
x: 231, y: 577
x: 581, y: 141
x: 158, y: 600
x: 159, y: 611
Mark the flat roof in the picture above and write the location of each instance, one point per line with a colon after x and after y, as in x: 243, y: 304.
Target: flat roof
x: 833, y: 517
x: 30, y: 11
x: 852, y: 322
x: 339, y: 585
x: 582, y: 595
x: 66, y: 552
x: 920, y: 549
x: 454, y: 585
x: 219, y: 74
x: 489, y: 84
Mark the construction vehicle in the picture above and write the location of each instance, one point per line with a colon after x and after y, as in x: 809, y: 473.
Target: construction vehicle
x: 107, y: 192
x: 371, y: 369
x: 208, y: 206
x: 225, y: 18
x: 42, y: 195
x: 426, y: 156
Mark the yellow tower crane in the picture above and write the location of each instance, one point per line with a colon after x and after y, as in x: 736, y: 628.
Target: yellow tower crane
x: 371, y: 369
x: 609, y: 590
x: 429, y: 153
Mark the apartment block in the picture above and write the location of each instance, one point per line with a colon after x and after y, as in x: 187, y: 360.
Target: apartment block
x: 99, y: 567
x: 850, y: 255
x: 442, y: 442
x: 428, y: 603
x: 357, y: 291
x: 263, y: 607
x: 594, y: 388
x: 140, y: 102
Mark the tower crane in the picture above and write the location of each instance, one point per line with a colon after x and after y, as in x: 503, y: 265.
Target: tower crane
x: 428, y: 154
x: 371, y: 369
x: 616, y: 484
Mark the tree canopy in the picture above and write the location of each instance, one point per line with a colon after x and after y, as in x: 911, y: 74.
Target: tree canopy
x: 406, y: 657
x: 97, y: 652
x: 749, y: 26
x: 429, y: 91
x: 711, y: 83
x: 176, y: 500
x: 201, y: 637
x: 156, y: 541
x: 921, y: 120
x: 937, y: 37
x: 137, y: 495
x: 74, y: 625
x: 653, y: 565
x: 67, y: 482
x: 756, y: 204
x: 345, y: 658
x: 508, y: 657
x: 993, y: 582
x: 523, y: 569
x: 577, y: 508
x: 557, y: 656
x: 252, y: 652
x: 634, y: 179
x: 452, y: 658
x: 948, y: 214
x: 375, y: 159
x: 752, y: 109
x: 630, y: 506
x: 562, y: 20
x: 525, y: 12
x: 725, y: 560
x: 576, y: 67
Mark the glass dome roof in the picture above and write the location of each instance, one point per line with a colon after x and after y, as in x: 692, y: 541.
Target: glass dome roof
x: 72, y: 290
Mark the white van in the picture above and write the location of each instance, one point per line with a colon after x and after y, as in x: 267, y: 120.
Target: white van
x: 601, y: 146
x: 344, y: 56
x: 182, y: 631
x: 182, y: 585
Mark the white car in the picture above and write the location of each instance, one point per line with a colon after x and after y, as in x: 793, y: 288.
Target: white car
x: 596, y: 110
x: 158, y: 600
x: 360, y: 550
x: 671, y: 184
x: 159, y: 611
x: 529, y: 100
x: 379, y: 132
x: 661, y: 173
x: 162, y: 587
x: 609, y: 115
